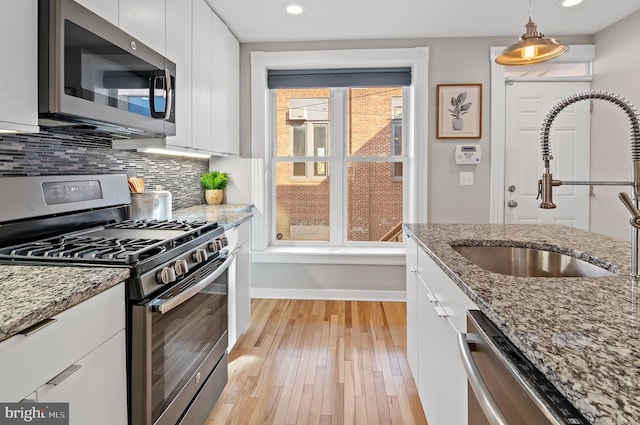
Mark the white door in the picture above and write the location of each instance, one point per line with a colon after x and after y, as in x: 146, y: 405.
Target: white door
x: 527, y: 104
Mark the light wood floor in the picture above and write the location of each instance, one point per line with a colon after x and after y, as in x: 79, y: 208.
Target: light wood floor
x: 320, y: 362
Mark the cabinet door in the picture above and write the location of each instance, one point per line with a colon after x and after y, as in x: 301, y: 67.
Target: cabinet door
x: 106, y: 9
x: 430, y: 355
x: 412, y: 305
x: 201, y: 75
x: 179, y: 40
x: 239, y: 279
x: 19, y: 78
x: 225, y: 93
x: 144, y: 20
x: 96, y: 390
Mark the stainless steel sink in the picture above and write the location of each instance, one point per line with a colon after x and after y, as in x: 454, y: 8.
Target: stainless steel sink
x: 528, y: 262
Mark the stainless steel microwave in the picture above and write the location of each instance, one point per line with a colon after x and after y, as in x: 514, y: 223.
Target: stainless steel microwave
x: 94, y: 77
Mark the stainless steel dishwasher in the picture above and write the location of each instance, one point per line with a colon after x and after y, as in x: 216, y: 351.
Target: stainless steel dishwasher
x: 505, y: 388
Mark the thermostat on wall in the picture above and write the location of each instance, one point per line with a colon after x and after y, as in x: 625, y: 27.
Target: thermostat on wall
x: 468, y: 154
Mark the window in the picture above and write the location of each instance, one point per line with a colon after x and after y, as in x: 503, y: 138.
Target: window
x: 328, y: 224
x: 362, y: 199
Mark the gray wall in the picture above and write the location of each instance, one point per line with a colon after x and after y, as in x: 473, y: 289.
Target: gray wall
x: 451, y: 60
x: 617, y: 70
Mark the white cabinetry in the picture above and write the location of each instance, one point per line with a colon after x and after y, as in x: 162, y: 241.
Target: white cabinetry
x: 178, y: 42
x: 441, y: 314
x: 215, y: 83
x: 106, y: 9
x: 78, y: 358
x: 19, y: 75
x: 201, y: 82
x: 412, y: 303
x: 144, y: 20
x: 225, y: 95
x: 239, y: 281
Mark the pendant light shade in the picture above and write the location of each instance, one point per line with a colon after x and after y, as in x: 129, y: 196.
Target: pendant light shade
x: 533, y: 47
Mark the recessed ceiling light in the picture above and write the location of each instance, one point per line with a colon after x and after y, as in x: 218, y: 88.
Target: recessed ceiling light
x: 569, y: 3
x: 294, y: 8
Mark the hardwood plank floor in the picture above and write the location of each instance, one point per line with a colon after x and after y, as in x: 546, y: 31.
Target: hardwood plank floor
x: 320, y: 363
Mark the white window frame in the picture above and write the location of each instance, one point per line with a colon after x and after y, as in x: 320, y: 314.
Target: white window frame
x: 262, y: 129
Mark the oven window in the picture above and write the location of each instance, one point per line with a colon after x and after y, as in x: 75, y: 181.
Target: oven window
x: 181, y: 340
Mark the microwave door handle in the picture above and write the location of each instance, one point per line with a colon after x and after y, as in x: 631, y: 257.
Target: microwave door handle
x: 486, y: 401
x: 170, y: 93
x: 155, y: 75
x: 167, y: 305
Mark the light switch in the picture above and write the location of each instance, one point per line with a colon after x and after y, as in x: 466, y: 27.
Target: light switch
x: 466, y: 178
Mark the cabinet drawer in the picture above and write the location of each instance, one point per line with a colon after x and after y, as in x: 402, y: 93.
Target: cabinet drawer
x: 97, y: 390
x: 449, y: 297
x: 238, y: 235
x: 28, y: 362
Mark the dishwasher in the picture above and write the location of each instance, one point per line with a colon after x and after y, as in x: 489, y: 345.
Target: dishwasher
x: 505, y: 388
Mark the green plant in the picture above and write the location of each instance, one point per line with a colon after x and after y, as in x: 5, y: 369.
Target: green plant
x: 214, y: 180
x: 459, y: 107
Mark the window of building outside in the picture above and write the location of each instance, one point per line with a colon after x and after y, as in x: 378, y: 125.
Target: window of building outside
x: 364, y: 164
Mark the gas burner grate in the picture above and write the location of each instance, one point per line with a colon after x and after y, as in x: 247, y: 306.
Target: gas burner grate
x: 91, y: 248
x: 163, y: 225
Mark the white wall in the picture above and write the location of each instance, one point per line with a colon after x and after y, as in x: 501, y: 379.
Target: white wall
x: 616, y: 70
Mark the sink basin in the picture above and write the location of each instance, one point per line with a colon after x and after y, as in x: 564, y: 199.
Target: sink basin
x: 529, y: 262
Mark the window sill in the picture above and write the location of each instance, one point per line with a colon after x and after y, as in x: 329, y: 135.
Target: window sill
x: 388, y: 256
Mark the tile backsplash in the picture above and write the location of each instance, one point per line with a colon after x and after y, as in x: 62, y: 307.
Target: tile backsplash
x: 56, y: 154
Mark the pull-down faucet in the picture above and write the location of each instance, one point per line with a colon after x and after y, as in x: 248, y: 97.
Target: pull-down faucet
x: 546, y: 183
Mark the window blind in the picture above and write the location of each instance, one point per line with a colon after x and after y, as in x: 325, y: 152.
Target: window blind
x: 349, y: 77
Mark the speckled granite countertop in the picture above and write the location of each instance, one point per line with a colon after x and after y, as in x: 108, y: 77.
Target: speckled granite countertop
x: 582, y: 333
x: 229, y: 215
x: 30, y: 294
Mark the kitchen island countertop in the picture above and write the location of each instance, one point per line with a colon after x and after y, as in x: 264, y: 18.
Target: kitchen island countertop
x: 581, y: 333
x: 32, y: 293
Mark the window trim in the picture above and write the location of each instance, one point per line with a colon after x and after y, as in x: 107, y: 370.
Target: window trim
x: 263, y: 191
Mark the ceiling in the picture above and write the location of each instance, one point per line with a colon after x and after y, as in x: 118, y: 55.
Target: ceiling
x: 266, y: 21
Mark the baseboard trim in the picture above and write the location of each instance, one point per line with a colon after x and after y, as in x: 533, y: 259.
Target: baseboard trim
x: 323, y: 294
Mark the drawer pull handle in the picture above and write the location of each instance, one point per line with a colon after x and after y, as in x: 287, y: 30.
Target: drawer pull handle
x: 58, y: 379
x: 38, y: 326
x: 441, y: 312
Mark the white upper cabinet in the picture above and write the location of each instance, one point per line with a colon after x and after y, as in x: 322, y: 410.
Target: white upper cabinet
x: 178, y: 45
x: 225, y: 95
x: 19, y: 75
x: 201, y: 75
x: 106, y: 9
x: 144, y: 20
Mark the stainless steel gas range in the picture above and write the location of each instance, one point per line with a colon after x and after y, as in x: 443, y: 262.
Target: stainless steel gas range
x: 176, y: 294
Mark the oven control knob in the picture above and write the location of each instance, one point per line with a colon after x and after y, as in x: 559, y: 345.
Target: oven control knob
x: 213, y: 246
x: 181, y: 267
x: 225, y: 241
x: 199, y: 255
x: 166, y: 275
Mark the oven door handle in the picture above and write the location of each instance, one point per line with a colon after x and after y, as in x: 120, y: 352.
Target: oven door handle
x: 171, y: 303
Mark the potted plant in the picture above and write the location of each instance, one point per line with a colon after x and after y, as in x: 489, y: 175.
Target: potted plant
x: 214, y: 182
x: 459, y: 109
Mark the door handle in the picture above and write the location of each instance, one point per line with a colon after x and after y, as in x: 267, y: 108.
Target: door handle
x: 512, y: 204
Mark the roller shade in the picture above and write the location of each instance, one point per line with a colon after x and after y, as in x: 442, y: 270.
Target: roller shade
x: 350, y: 77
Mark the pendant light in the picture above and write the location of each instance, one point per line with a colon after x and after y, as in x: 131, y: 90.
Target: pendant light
x: 533, y: 47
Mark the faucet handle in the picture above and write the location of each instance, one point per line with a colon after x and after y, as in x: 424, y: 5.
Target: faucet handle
x: 635, y: 213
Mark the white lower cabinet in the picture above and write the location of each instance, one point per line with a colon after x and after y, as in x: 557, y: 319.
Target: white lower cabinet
x: 94, y: 386
x: 76, y: 357
x: 412, y: 304
x: 239, y: 281
x: 441, y: 309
